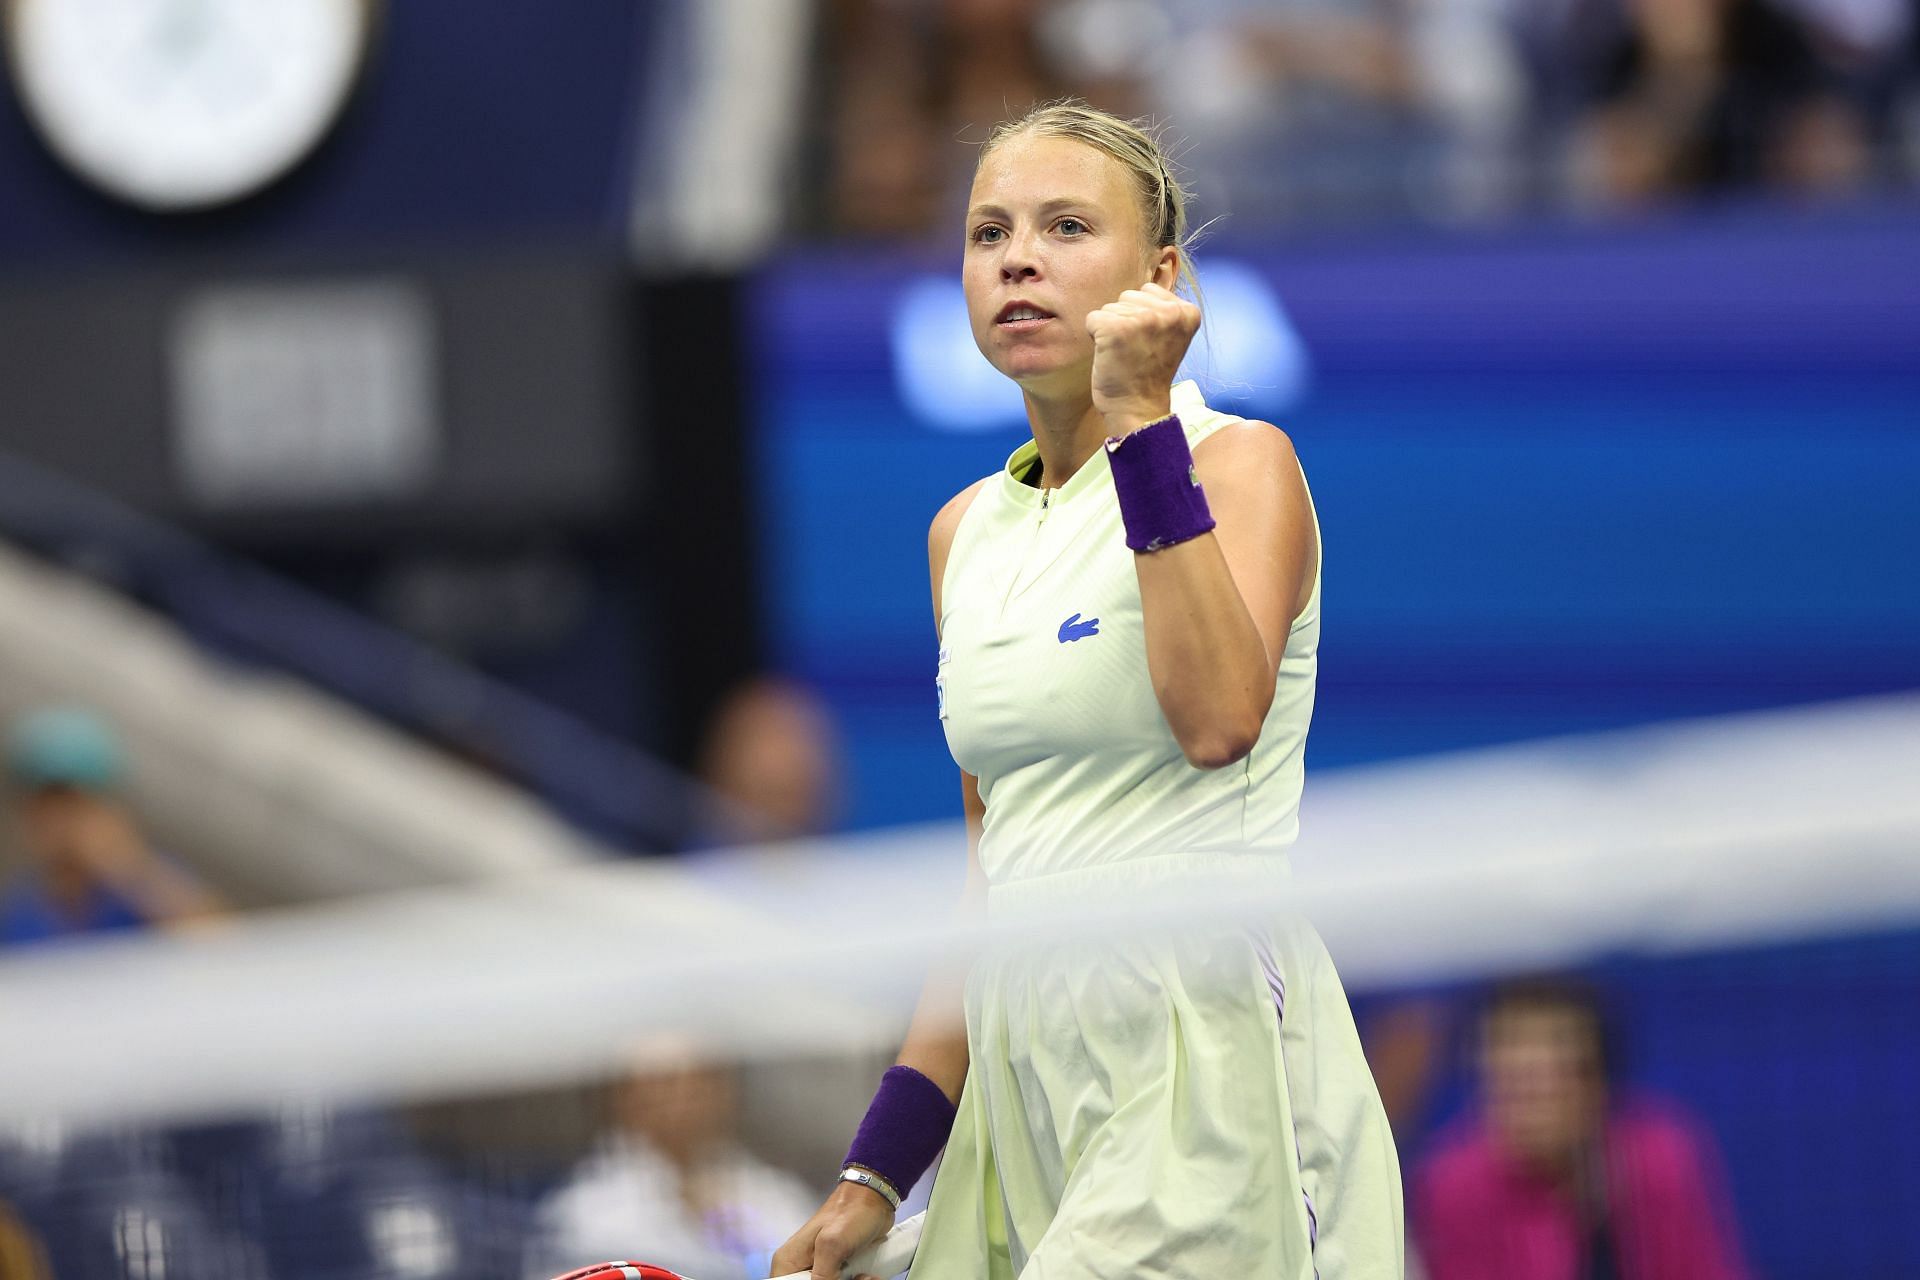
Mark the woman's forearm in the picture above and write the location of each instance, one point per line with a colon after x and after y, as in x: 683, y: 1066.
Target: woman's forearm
x: 936, y: 1043
x: 1218, y: 607
x: 1210, y: 668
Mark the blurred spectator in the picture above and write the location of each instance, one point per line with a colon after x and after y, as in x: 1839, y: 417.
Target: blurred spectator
x: 772, y: 750
x: 1558, y: 1177
x: 1335, y: 110
x: 1695, y: 96
x: 910, y: 81
x: 88, y: 868
x: 671, y: 1183
x: 1405, y: 1042
x: 21, y: 1257
x: 1867, y: 47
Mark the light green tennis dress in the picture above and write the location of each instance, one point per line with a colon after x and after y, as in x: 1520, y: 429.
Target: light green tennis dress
x: 1183, y: 1103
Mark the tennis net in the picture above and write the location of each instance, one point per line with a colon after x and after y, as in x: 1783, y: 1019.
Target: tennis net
x: 512, y: 1077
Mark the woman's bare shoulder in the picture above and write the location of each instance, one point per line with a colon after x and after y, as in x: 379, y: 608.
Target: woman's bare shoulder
x: 947, y: 520
x: 940, y: 536
x: 1247, y: 442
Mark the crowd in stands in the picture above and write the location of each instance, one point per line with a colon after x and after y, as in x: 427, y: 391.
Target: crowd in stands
x: 321, y: 1193
x: 1336, y: 112
x: 328, y: 1193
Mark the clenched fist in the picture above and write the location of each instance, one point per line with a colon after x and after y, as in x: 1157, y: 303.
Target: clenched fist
x: 1139, y: 340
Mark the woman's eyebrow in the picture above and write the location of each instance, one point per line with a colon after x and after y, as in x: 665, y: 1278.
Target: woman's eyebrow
x: 1046, y: 206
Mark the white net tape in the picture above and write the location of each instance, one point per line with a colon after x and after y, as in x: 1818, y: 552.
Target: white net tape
x: 1671, y: 838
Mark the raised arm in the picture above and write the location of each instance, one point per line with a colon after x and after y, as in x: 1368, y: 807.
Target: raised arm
x: 1218, y: 607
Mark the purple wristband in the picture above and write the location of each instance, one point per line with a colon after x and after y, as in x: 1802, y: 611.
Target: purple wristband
x: 1161, y: 501
x: 906, y: 1125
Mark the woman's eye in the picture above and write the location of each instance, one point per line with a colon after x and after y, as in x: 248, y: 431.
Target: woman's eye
x: 1071, y: 226
x: 987, y: 235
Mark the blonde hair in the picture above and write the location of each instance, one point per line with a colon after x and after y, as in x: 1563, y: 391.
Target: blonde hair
x: 1163, y: 201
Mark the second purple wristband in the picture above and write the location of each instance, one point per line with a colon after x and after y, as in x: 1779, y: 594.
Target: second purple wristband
x: 905, y: 1127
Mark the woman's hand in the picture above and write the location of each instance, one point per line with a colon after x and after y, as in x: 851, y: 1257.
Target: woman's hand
x: 1139, y: 340
x: 852, y: 1218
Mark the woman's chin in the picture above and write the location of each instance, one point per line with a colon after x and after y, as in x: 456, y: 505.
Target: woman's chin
x: 1045, y: 376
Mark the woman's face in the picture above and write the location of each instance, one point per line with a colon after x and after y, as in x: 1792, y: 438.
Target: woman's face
x: 1053, y: 234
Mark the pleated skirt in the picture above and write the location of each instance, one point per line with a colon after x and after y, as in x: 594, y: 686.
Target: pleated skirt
x: 1179, y: 1103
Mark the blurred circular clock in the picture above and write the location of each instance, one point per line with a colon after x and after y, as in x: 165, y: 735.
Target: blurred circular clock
x: 185, y: 104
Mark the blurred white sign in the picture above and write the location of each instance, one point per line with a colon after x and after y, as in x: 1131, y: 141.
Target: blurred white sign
x: 938, y: 369
x: 1248, y: 352
x: 296, y: 394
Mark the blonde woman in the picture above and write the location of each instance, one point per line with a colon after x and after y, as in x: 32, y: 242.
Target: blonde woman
x: 1128, y: 619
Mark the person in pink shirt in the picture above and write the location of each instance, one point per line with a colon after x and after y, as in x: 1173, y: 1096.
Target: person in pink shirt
x: 1557, y: 1176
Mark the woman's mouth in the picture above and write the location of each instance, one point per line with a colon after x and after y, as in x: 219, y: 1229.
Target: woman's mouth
x: 1021, y: 317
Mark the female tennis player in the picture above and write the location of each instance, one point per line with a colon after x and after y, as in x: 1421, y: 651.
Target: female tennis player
x: 1128, y: 618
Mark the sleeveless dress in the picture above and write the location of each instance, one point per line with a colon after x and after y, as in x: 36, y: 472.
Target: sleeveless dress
x: 1178, y: 1104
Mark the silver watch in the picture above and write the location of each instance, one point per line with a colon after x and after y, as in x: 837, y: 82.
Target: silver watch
x: 868, y: 1178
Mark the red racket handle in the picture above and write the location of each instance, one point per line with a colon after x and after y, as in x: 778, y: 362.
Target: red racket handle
x: 887, y: 1256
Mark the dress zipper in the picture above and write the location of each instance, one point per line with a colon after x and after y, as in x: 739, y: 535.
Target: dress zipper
x: 1033, y: 543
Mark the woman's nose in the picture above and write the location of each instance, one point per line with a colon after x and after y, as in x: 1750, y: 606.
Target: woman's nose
x: 1020, y: 262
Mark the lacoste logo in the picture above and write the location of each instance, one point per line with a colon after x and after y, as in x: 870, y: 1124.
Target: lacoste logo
x: 1074, y: 629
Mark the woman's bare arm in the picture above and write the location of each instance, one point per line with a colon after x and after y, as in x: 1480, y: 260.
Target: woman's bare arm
x: 1218, y: 607
x: 936, y: 1044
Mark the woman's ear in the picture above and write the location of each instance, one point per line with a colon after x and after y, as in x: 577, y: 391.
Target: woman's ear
x: 1166, y: 266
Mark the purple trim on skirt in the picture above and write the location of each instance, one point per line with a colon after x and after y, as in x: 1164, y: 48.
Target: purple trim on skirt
x: 1278, y: 986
